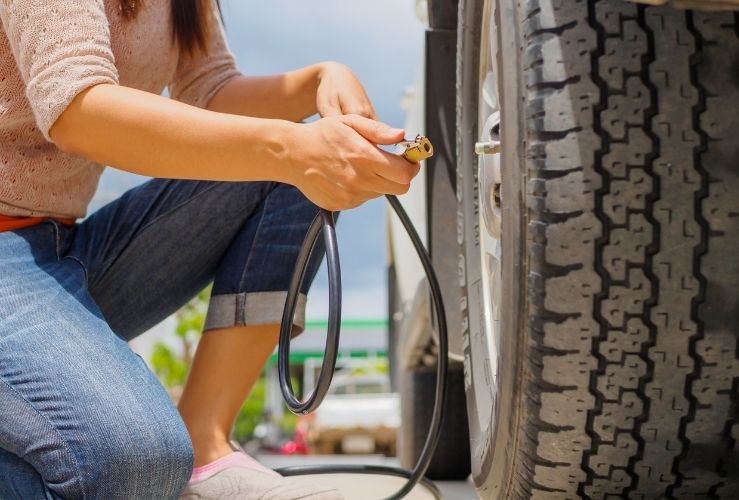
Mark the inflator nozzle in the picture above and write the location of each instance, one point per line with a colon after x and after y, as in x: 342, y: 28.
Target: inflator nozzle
x: 416, y: 150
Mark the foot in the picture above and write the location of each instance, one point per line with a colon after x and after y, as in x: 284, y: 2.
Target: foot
x: 238, y: 476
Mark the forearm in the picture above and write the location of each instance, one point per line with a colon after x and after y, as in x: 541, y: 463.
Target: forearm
x: 151, y: 135
x: 289, y: 96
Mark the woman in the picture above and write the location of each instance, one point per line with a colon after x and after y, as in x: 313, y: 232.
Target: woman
x: 80, y: 415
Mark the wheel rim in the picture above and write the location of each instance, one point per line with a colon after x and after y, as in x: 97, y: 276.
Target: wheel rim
x: 488, y: 188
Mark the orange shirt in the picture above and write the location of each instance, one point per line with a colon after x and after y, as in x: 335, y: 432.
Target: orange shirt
x: 8, y: 223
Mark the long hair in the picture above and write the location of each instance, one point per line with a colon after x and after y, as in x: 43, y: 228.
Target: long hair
x: 192, y: 21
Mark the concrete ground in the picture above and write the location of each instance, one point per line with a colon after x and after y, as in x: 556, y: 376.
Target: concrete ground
x: 368, y: 487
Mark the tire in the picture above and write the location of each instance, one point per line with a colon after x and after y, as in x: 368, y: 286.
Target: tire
x: 452, y: 456
x: 615, y: 372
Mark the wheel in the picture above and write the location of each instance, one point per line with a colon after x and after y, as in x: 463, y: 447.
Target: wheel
x: 452, y: 456
x: 417, y: 388
x: 599, y: 249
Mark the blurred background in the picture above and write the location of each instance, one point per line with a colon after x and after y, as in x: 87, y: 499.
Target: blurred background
x: 381, y: 41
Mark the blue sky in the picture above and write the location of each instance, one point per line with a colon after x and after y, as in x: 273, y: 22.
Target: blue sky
x: 381, y: 40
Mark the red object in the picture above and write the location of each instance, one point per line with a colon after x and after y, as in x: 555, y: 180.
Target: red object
x: 8, y: 223
x: 297, y: 445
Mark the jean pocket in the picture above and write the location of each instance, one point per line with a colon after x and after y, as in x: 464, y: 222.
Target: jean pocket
x: 61, y: 235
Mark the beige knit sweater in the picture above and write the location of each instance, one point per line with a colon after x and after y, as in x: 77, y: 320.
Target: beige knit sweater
x: 50, y: 51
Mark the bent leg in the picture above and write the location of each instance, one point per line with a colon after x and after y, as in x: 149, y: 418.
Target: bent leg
x: 159, y: 244
x: 241, y: 332
x: 153, y: 249
x: 244, y: 317
x: 227, y: 363
x: 76, y: 404
x: 251, y: 282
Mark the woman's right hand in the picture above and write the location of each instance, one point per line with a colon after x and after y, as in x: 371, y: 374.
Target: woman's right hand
x: 336, y: 163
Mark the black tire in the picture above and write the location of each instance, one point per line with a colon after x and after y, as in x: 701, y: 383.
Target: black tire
x: 452, y: 456
x: 617, y: 368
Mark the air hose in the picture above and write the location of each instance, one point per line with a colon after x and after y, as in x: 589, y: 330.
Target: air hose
x: 324, y: 224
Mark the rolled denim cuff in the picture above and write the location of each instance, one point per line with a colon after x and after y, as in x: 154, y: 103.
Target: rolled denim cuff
x: 253, y: 308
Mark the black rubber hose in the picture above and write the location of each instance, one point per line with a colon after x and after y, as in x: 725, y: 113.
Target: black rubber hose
x: 384, y: 470
x: 325, y: 221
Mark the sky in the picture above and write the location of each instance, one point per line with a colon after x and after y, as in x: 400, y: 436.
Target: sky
x: 381, y: 40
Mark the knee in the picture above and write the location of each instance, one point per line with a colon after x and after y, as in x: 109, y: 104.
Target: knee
x: 142, y: 463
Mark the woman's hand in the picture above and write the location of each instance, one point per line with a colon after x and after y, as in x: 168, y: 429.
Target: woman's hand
x: 335, y: 161
x: 339, y: 92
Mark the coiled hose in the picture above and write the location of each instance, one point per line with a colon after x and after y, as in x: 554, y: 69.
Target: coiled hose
x: 324, y: 224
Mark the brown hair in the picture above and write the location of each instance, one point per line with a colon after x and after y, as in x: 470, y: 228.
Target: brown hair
x: 192, y: 21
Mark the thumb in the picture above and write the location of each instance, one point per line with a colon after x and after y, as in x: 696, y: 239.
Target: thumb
x: 374, y: 131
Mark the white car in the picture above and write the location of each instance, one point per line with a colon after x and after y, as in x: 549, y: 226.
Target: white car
x: 582, y: 214
x: 358, y: 415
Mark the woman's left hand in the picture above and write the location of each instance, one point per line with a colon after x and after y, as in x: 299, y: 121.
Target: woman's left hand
x: 340, y: 93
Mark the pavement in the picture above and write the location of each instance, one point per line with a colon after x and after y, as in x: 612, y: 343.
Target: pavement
x: 364, y: 486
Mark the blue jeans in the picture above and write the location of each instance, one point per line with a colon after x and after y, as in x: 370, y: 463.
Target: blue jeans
x: 81, y: 416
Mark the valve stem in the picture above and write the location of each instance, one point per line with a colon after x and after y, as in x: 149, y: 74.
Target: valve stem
x: 487, y: 148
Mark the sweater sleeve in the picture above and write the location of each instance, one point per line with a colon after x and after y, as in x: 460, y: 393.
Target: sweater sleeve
x: 61, y: 48
x: 200, y: 76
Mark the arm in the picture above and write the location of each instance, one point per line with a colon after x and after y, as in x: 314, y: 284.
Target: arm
x: 334, y: 161
x: 289, y: 96
x: 212, y: 81
x: 151, y: 135
x: 329, y: 88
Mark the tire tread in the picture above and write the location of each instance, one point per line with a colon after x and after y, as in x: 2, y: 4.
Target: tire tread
x: 631, y: 381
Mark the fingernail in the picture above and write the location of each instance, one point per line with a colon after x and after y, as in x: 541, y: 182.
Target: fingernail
x: 396, y: 131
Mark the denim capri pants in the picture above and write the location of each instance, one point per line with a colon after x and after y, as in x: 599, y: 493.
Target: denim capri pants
x: 81, y: 416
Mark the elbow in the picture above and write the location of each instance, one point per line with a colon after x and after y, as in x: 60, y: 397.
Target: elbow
x: 62, y: 135
x: 68, y: 131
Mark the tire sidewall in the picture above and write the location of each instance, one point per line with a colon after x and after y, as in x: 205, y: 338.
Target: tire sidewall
x: 492, y: 453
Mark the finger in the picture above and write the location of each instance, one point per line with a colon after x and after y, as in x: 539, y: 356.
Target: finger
x: 385, y: 186
x: 395, y: 168
x: 370, y: 184
x: 361, y: 107
x: 355, y: 199
x: 372, y: 113
x: 330, y: 108
x: 374, y: 131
